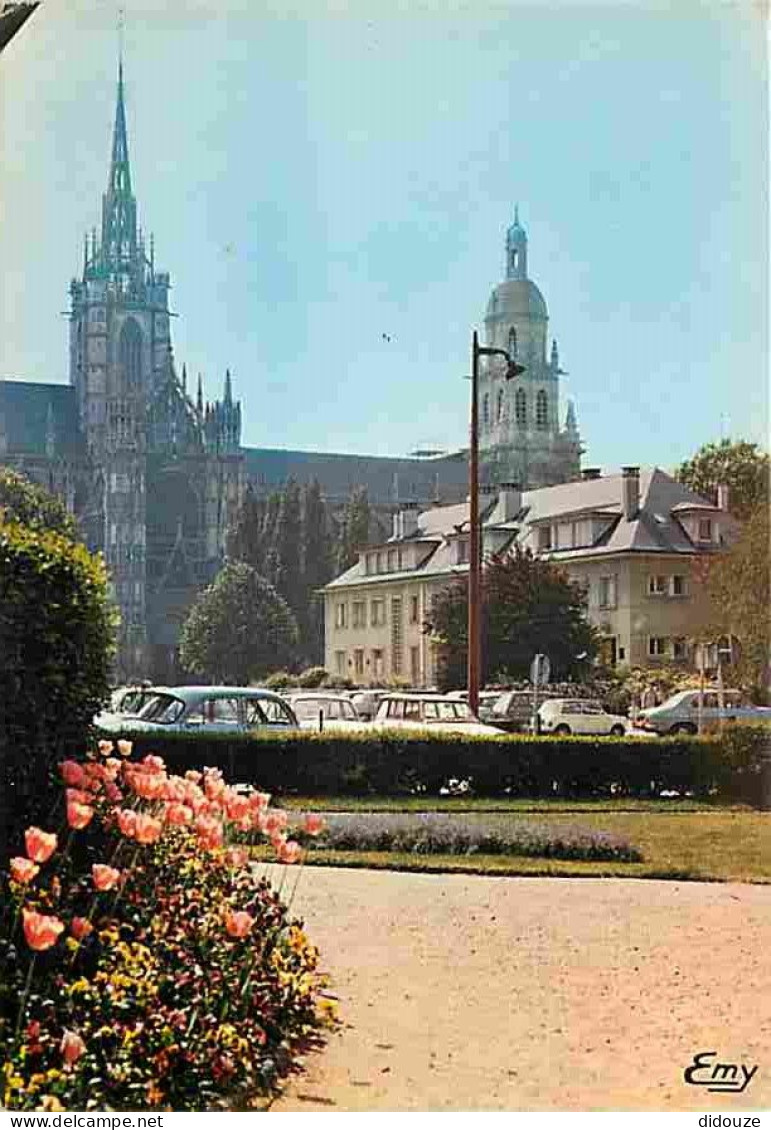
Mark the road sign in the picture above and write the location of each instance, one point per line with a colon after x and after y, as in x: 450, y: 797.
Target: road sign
x: 540, y: 669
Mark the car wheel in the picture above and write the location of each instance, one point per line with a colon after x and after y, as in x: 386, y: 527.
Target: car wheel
x: 562, y: 730
x: 617, y: 731
x: 683, y: 728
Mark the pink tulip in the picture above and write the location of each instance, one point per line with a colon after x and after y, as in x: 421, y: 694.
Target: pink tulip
x: 237, y: 857
x: 313, y: 824
x: 80, y: 928
x: 127, y: 822
x: 73, y: 773
x: 40, y: 845
x: 237, y: 807
x: 148, y: 829
x: 40, y: 930
x: 78, y: 815
x: 113, y: 793
x: 153, y: 764
x: 238, y: 923
x: 23, y: 870
x: 71, y: 1047
x: 275, y: 821
x: 258, y: 801
x: 209, y: 832
x: 178, y: 814
x: 104, y: 877
x: 193, y: 775
x: 290, y: 852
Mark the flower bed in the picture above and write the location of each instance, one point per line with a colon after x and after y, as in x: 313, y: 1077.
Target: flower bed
x: 145, y: 964
x: 441, y: 833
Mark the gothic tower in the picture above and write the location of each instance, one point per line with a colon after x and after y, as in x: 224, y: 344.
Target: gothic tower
x: 520, y: 435
x: 118, y: 332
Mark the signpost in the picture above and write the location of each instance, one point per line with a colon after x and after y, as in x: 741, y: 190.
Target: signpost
x: 540, y: 673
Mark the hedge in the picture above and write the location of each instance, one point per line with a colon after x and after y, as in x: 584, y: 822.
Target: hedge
x: 389, y: 764
x: 56, y: 643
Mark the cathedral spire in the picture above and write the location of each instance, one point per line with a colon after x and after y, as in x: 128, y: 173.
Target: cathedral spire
x: 516, y: 249
x: 119, y: 210
x: 228, y: 388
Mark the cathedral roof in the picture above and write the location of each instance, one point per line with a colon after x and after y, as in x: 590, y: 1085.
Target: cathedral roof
x: 517, y: 298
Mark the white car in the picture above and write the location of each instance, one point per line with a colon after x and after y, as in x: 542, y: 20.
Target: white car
x: 433, y: 712
x: 579, y: 716
x: 317, y: 710
x: 680, y: 714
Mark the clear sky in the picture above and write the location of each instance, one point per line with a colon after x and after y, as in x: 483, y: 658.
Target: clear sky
x: 320, y: 174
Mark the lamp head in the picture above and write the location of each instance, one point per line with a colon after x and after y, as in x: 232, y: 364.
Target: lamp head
x: 513, y: 370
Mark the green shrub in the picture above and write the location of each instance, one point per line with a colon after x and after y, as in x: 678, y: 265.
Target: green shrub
x: 312, y: 677
x: 280, y: 679
x: 394, y: 763
x: 56, y: 644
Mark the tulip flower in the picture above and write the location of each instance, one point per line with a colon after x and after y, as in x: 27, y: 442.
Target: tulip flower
x: 124, y: 747
x: 238, y: 923
x: 153, y: 764
x: 105, y: 748
x: 148, y: 829
x: 127, y: 821
x: 78, y: 815
x: 290, y: 852
x: 313, y: 824
x: 40, y: 930
x: 275, y: 821
x: 23, y: 870
x: 80, y: 928
x: 104, y: 877
x: 40, y: 845
x: 73, y: 773
x: 71, y: 1047
x: 258, y: 801
x: 237, y: 807
x: 178, y: 814
x: 237, y: 857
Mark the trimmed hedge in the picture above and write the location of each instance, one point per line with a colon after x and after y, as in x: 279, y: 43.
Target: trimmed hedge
x: 393, y: 763
x: 56, y: 643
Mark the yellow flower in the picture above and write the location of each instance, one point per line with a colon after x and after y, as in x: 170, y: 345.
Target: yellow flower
x: 79, y: 986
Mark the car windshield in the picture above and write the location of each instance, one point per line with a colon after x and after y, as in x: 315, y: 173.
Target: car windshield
x: 501, y: 704
x: 333, y: 709
x: 162, y: 708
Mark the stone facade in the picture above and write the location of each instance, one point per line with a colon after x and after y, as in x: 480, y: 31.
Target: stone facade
x: 520, y: 436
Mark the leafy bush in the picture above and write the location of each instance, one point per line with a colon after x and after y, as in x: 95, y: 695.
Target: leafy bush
x: 31, y: 505
x: 279, y: 680
x: 312, y: 677
x: 397, y: 763
x: 145, y: 965
x: 434, y: 833
x: 56, y: 644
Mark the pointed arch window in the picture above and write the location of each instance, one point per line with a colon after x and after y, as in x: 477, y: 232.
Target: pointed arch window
x: 520, y: 407
x: 541, y: 410
x: 130, y: 354
x: 486, y: 410
x: 499, y: 406
x: 512, y: 343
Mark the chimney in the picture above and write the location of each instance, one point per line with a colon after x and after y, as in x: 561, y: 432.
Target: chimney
x: 406, y: 520
x: 723, y: 497
x: 589, y: 474
x: 630, y: 492
x: 509, y: 501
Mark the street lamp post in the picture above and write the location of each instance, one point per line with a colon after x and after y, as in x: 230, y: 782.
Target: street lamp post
x: 475, y: 541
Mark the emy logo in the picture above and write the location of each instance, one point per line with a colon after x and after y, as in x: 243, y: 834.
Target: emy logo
x: 728, y: 1078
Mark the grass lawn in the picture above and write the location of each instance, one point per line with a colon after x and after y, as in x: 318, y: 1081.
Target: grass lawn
x: 678, y: 839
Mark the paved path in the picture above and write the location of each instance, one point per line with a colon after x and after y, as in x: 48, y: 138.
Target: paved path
x: 468, y: 993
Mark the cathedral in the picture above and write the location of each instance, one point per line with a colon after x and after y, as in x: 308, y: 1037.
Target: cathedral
x: 155, y: 472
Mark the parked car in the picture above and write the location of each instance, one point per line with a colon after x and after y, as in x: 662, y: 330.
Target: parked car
x: 579, y: 716
x: 429, y: 712
x: 228, y: 710
x: 680, y: 713
x: 366, y: 703
x: 317, y: 710
x: 509, y: 710
x: 128, y: 700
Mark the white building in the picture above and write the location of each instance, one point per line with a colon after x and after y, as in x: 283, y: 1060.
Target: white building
x: 632, y: 539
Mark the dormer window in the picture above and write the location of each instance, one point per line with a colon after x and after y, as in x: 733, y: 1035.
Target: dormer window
x: 463, y: 551
x: 544, y: 538
x: 705, y: 529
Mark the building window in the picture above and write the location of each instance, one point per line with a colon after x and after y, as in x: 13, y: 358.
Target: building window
x: 499, y: 408
x: 377, y: 613
x: 679, y: 648
x: 541, y: 410
x: 414, y: 611
x: 463, y: 544
x: 657, y: 647
x: 608, y: 592
x: 340, y: 662
x: 378, y: 667
x: 544, y: 538
x: 486, y: 410
x: 657, y: 586
x: 358, y: 662
x: 370, y: 563
x: 512, y: 343
x: 359, y: 614
x: 520, y: 407
x: 677, y: 585
x: 415, y: 666
x: 341, y: 615
x: 705, y: 529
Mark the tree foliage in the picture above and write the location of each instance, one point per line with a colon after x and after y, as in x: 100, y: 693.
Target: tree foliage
x: 739, y: 465
x: 238, y: 629
x: 529, y: 606
x: 354, y: 529
x: 31, y: 505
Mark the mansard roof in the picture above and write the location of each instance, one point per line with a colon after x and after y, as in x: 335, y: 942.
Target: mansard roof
x: 27, y: 407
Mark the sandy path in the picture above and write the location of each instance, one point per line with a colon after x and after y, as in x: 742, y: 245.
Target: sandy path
x: 468, y: 993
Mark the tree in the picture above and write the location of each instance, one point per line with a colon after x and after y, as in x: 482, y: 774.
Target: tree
x: 529, y: 606
x: 739, y: 588
x: 739, y: 465
x: 288, y: 546
x: 245, y: 539
x: 31, y: 505
x: 239, y: 628
x: 354, y: 529
x: 316, y: 569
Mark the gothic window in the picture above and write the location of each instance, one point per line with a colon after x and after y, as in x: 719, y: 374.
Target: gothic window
x: 130, y: 354
x: 541, y: 410
x: 486, y: 410
x: 512, y: 343
x: 499, y: 408
x: 520, y: 407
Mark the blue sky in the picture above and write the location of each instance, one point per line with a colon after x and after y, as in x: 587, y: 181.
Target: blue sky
x: 318, y: 175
